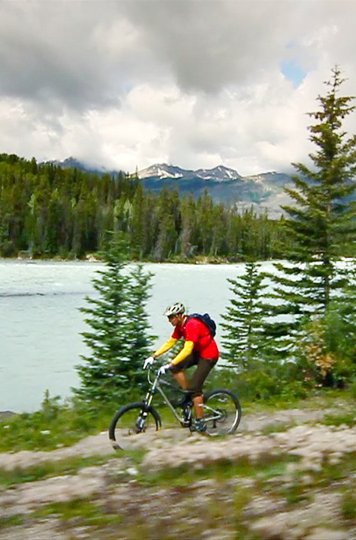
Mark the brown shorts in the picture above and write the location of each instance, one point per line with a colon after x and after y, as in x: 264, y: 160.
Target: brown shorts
x: 203, y: 369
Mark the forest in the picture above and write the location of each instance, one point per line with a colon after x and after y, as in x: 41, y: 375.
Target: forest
x: 47, y: 211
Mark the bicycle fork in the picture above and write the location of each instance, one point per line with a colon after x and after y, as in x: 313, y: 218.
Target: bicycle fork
x: 141, y: 420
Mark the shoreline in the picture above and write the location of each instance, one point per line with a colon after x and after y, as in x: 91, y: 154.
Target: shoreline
x: 92, y: 258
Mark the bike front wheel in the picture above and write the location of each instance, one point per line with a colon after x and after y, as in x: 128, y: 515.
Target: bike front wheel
x: 133, y: 426
x: 222, y: 412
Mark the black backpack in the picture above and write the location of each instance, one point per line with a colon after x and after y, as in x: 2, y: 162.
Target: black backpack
x: 207, y: 320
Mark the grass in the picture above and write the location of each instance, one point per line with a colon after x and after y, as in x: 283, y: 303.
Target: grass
x: 11, y: 521
x: 49, y: 469
x: 331, y: 476
x: 55, y: 425
x: 332, y: 473
x: 295, y: 494
x: 317, y: 399
x: 348, y: 505
x: 221, y: 471
x: 277, y: 428
x: 84, y: 511
x: 242, y: 498
x: 344, y: 418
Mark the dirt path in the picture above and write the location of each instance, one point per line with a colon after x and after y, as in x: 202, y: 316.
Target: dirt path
x: 113, y: 486
x: 99, y: 445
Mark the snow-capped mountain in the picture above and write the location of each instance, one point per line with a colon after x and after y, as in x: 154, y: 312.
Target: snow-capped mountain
x: 219, y: 174
x: 162, y: 170
x: 262, y: 192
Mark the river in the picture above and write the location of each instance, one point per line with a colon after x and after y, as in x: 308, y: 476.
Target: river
x: 41, y: 324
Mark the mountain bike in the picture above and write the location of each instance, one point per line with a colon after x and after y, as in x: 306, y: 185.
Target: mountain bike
x: 222, y: 413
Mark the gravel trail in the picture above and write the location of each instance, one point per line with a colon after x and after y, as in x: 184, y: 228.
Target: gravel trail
x: 297, y: 434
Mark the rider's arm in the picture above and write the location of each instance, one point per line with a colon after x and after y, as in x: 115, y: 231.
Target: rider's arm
x: 165, y: 347
x: 182, y: 355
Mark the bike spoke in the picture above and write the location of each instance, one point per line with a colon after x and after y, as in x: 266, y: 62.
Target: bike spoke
x: 222, y: 413
x: 132, y: 427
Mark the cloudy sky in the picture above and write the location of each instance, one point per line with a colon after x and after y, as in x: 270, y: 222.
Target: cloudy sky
x: 194, y: 83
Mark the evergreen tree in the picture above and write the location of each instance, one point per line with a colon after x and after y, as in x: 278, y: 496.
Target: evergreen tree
x: 242, y: 338
x: 119, y: 338
x: 321, y: 221
x: 188, y: 235
x: 330, y: 346
x: 137, y: 328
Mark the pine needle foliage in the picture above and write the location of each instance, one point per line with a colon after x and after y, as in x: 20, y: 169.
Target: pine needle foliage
x: 329, y: 342
x: 243, y: 320
x: 119, y: 335
x: 340, y: 324
x: 322, y: 222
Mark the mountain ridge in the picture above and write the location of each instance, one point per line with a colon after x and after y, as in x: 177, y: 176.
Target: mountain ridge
x: 263, y: 192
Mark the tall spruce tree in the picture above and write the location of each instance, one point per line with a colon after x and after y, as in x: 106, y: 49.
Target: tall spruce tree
x: 321, y: 221
x: 119, y: 338
x: 243, y: 326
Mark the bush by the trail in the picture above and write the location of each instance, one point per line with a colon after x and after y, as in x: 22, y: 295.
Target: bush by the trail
x: 55, y: 424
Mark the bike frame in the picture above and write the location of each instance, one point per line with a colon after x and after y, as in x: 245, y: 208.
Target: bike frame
x: 155, y: 386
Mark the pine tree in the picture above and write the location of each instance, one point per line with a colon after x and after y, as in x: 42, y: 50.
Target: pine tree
x: 320, y: 223
x: 340, y: 329
x: 119, y: 338
x: 242, y: 338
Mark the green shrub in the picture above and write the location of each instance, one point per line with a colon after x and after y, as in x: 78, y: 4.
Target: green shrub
x: 55, y: 424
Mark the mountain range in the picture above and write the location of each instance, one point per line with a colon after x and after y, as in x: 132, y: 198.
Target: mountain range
x: 263, y: 192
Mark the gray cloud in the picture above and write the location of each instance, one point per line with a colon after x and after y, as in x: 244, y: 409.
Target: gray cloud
x: 88, y: 53
x: 186, y: 81
x: 49, y: 52
x: 208, y: 45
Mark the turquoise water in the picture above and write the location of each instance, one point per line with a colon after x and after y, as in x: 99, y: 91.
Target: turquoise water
x: 40, y: 320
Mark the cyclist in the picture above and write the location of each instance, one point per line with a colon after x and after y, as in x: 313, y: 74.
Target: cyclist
x: 200, y: 349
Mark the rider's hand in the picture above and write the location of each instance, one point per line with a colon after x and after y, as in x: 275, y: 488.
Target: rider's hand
x: 163, y: 369
x: 148, y: 362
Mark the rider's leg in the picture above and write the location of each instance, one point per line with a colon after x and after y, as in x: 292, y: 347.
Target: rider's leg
x: 178, y: 371
x: 198, y: 379
x: 198, y: 406
x: 181, y: 379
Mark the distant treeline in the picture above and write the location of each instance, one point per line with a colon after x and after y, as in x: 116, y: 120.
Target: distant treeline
x: 49, y: 211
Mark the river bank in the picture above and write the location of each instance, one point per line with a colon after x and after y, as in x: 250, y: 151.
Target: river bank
x: 96, y: 257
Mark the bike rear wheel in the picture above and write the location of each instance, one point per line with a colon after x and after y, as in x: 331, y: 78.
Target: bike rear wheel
x: 133, y: 425
x: 222, y: 412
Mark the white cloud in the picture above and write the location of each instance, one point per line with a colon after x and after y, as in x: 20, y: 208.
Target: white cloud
x: 195, y: 83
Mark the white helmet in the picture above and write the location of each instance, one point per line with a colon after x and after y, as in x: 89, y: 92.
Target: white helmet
x: 174, y: 309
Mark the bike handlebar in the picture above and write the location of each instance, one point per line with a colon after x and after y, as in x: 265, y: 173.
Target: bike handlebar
x: 157, y: 375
